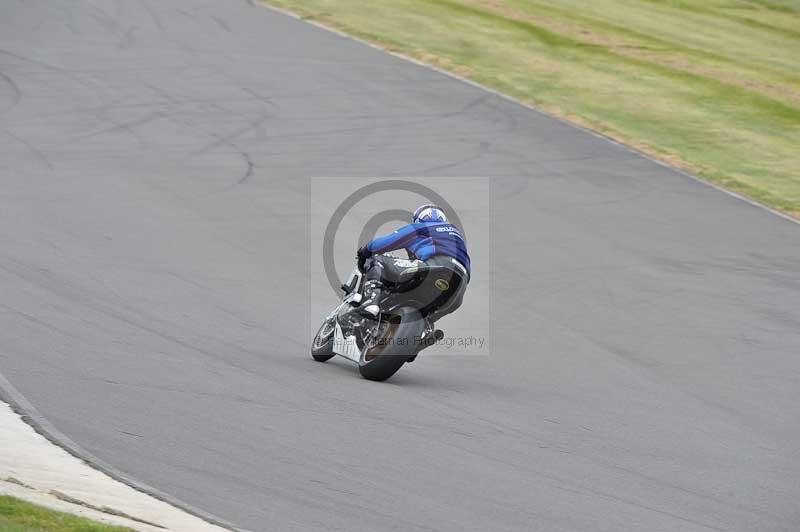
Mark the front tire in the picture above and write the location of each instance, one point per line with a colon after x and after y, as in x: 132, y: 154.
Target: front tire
x: 398, y: 344
x: 322, y: 346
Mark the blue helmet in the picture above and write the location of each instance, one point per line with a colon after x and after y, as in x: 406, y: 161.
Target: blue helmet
x: 429, y: 213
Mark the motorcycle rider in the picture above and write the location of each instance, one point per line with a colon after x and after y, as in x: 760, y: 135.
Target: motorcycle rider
x: 429, y: 240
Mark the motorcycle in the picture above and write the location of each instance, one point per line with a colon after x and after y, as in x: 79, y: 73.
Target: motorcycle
x: 404, y: 326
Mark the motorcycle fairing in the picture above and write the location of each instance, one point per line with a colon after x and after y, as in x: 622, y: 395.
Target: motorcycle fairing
x: 346, y: 345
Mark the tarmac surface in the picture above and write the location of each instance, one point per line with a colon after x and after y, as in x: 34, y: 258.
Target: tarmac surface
x: 642, y: 368
x: 35, y: 470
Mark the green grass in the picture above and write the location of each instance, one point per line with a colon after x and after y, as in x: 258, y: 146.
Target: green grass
x: 20, y: 516
x: 712, y: 86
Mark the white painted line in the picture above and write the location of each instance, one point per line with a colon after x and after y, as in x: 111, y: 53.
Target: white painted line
x: 34, y: 469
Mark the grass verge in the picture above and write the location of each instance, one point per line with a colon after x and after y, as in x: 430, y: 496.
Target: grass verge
x: 711, y: 87
x: 20, y: 516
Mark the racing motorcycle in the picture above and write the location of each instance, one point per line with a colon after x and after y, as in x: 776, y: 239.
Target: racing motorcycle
x: 403, y: 327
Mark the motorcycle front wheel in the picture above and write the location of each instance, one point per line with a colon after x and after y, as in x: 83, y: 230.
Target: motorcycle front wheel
x: 322, y: 346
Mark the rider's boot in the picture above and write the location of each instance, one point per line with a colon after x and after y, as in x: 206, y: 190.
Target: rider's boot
x: 369, y: 307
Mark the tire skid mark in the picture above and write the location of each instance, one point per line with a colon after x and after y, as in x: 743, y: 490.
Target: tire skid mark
x: 66, y: 72
x: 153, y: 15
x: 122, y: 126
x: 16, y: 93
x: 33, y: 149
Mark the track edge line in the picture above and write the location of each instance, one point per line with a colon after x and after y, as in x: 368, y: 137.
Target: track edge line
x: 530, y: 107
x: 30, y: 415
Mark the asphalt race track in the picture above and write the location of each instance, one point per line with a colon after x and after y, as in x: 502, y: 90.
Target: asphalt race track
x: 644, y: 372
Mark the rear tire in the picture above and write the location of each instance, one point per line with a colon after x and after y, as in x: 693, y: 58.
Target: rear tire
x: 322, y: 346
x: 399, y: 345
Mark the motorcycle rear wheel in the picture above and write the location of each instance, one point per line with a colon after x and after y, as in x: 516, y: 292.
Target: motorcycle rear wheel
x: 395, y: 348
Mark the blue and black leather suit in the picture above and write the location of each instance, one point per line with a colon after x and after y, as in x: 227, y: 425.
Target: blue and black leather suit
x: 427, y: 244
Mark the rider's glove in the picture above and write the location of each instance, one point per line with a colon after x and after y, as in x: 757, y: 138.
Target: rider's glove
x: 363, y: 254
